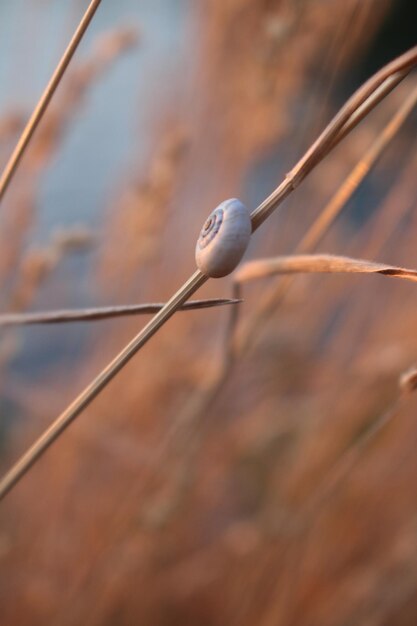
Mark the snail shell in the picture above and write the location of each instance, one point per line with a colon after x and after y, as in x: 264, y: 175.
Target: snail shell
x: 223, y: 239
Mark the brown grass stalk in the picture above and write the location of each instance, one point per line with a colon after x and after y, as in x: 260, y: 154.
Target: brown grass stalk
x: 271, y: 298
x: 329, y: 486
x: 103, y: 313
x: 318, y: 264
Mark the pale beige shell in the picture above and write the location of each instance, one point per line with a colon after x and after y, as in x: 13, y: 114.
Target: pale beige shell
x: 223, y: 239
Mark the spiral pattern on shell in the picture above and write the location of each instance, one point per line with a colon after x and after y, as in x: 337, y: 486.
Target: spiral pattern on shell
x: 223, y: 239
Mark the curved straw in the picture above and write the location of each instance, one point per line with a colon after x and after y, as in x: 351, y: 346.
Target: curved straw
x: 319, y: 227
x: 323, y: 145
x: 365, y: 98
x: 45, y: 99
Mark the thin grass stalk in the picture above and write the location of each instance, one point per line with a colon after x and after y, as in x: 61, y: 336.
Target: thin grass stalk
x: 103, y: 313
x: 328, y: 487
x: 319, y: 264
x: 312, y: 157
x: 98, y: 384
x: 323, y: 145
x: 45, y: 99
x: 320, y: 226
x: 373, y: 239
x: 382, y: 92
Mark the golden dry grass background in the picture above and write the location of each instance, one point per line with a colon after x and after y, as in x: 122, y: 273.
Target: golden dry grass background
x: 151, y: 509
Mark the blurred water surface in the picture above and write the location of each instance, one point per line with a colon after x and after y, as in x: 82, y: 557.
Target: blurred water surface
x: 115, y: 122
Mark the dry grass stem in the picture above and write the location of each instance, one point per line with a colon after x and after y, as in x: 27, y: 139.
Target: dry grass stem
x: 317, y: 230
x: 98, y: 384
x: 319, y: 264
x: 102, y: 313
x: 45, y: 99
x: 347, y: 461
x: 328, y: 487
x: 370, y: 104
x: 332, y: 209
x: 364, y: 96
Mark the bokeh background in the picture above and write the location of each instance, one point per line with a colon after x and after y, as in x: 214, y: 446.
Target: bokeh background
x: 186, y: 494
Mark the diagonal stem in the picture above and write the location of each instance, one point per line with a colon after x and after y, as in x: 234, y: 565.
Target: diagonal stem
x: 105, y: 312
x: 45, y: 99
x: 320, y: 226
x: 94, y: 388
x: 364, y: 99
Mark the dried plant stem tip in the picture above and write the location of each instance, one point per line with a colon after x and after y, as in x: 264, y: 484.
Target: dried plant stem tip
x: 103, y: 313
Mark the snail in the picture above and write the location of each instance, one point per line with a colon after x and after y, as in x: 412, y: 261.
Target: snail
x: 223, y: 239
